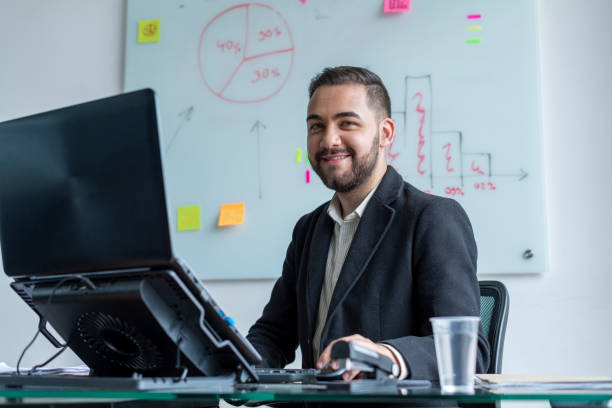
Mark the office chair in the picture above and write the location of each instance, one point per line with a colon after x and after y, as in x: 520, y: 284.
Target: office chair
x: 493, y: 317
x: 494, y: 302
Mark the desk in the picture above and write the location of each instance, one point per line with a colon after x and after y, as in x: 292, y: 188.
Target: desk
x: 276, y: 393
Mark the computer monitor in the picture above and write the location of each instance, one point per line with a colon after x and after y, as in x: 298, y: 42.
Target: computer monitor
x: 85, y: 235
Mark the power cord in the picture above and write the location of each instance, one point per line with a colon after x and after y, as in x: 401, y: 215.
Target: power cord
x: 43, y: 323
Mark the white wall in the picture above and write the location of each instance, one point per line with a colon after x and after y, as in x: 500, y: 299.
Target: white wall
x: 66, y: 51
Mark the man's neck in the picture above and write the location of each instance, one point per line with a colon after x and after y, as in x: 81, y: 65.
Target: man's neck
x: 350, y: 200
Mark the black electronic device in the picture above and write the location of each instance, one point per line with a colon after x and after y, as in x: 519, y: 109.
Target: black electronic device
x: 351, y: 356
x: 348, y: 356
x: 84, y: 230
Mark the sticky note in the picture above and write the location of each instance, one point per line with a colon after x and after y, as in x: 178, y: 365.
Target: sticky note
x: 298, y: 156
x: 307, y: 176
x: 396, y: 6
x: 231, y: 214
x: 473, y: 41
x: 149, y: 30
x: 188, y: 218
x: 474, y: 28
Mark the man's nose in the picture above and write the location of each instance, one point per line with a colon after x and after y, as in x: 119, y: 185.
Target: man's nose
x: 331, y: 138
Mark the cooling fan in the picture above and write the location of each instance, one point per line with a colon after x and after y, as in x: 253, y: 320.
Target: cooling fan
x: 118, y: 341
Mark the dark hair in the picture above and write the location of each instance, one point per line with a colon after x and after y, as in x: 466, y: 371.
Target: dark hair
x: 378, y: 97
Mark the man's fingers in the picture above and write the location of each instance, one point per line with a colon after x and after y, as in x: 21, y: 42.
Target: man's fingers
x: 326, y: 355
x: 350, y: 375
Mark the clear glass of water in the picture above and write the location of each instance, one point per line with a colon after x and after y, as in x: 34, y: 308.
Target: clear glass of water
x: 455, y: 339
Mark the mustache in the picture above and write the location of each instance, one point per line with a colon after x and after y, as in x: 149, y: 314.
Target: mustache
x: 324, y: 152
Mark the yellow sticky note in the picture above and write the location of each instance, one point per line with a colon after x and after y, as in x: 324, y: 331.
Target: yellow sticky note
x: 149, y: 30
x: 188, y: 218
x: 231, y: 214
x: 298, y: 156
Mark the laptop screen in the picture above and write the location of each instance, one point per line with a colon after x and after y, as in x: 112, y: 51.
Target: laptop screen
x: 80, y: 187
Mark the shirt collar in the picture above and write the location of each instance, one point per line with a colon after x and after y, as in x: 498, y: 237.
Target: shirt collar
x: 335, y: 210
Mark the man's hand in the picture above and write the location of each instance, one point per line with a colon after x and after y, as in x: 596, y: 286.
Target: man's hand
x: 325, y: 357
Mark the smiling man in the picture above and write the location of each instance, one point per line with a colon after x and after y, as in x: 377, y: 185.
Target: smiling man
x: 372, y: 265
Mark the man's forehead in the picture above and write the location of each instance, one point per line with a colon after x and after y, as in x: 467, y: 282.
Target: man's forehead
x: 338, y: 97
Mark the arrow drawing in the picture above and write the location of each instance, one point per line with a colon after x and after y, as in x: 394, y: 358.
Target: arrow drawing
x: 257, y: 126
x: 521, y: 176
x: 185, y: 117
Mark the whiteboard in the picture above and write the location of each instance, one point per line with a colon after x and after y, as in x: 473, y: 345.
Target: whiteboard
x: 232, y: 81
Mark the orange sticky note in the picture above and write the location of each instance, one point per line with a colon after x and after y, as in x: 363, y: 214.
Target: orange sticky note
x: 188, y: 218
x: 149, y: 30
x: 231, y: 214
x: 396, y: 6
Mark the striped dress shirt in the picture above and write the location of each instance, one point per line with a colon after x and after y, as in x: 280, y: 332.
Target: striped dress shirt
x: 344, y: 231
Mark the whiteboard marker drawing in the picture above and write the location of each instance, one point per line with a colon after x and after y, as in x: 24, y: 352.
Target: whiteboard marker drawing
x: 245, y: 53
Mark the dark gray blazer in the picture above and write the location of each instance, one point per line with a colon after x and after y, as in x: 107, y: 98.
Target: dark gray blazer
x: 413, y: 257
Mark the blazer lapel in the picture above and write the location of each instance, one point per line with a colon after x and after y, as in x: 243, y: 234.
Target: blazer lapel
x: 317, y: 259
x: 372, y: 228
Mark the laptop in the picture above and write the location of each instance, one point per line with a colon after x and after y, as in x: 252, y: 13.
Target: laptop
x: 84, y: 231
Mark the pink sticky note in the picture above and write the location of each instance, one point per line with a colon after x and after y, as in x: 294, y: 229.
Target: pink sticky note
x: 396, y: 6
x: 303, y: 1
x: 307, y: 176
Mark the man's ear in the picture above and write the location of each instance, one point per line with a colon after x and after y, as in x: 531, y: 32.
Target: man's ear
x: 387, y: 132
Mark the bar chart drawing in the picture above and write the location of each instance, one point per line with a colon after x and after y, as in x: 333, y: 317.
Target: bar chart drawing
x: 438, y: 155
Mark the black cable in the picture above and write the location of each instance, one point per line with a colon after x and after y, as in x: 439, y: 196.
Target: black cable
x: 53, y: 357
x: 26, y: 349
x: 43, y: 323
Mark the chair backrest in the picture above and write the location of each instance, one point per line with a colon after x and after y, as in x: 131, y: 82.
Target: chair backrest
x: 494, y: 302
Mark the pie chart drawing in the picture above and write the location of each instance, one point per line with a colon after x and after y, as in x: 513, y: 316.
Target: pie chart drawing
x: 245, y: 53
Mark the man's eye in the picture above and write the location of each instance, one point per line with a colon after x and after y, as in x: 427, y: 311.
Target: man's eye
x: 315, y: 126
x: 347, y: 123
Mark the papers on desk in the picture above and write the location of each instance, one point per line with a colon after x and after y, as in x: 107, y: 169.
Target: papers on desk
x: 504, y: 382
x: 5, y: 369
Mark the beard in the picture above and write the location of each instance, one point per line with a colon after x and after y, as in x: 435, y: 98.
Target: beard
x: 360, y: 171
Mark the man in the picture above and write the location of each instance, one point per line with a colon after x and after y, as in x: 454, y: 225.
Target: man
x: 376, y: 262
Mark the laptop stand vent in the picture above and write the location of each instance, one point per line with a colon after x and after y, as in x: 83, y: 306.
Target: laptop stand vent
x: 118, y: 341
x: 27, y: 297
x: 175, y: 288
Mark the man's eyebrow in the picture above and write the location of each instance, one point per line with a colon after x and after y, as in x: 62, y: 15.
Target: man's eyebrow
x: 347, y: 114
x: 313, y: 116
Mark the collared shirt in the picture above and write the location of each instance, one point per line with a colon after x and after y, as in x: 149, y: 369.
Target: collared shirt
x: 344, y: 231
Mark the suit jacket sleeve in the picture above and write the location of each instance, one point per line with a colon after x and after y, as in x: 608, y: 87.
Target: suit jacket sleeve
x: 274, y: 334
x: 444, y: 283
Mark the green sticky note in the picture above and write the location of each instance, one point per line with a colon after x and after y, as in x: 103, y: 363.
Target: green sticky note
x: 188, y: 218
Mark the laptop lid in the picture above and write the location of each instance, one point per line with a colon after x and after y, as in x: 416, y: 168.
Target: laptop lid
x: 80, y: 186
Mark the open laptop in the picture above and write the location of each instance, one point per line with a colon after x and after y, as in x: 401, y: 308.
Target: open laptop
x: 84, y: 229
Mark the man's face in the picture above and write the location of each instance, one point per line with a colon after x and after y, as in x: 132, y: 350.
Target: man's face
x: 343, y: 136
